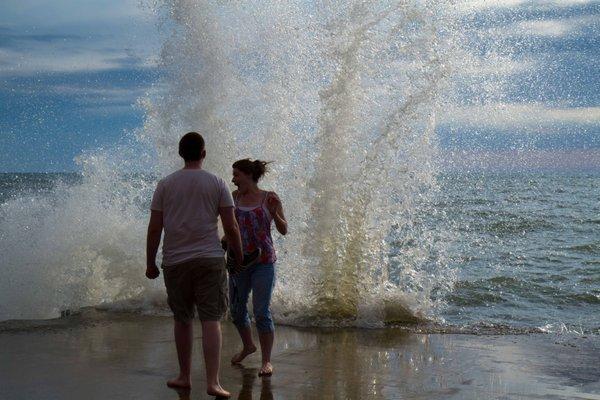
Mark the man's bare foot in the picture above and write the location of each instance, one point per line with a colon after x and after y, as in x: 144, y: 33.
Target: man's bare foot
x: 179, y: 382
x: 266, y: 369
x: 218, y: 391
x: 239, y: 357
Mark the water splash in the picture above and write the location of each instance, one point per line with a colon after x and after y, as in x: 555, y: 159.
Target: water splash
x: 342, y: 95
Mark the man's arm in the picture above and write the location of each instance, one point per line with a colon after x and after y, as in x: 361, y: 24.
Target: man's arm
x: 155, y: 227
x: 232, y: 232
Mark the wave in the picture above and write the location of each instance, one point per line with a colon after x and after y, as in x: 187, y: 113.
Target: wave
x: 88, y: 317
x: 343, y: 96
x: 586, y: 248
x: 518, y: 291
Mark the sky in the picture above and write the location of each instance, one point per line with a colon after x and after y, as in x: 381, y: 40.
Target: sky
x: 71, y: 72
x: 547, y: 112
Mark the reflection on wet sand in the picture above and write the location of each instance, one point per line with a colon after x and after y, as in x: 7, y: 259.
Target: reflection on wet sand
x: 130, y: 356
x: 184, y: 394
x: 249, y: 377
x: 369, y: 364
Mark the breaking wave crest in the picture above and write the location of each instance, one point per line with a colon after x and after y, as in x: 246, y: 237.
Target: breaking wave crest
x: 342, y: 95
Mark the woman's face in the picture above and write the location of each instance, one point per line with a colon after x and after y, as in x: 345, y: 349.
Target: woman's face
x: 240, y: 178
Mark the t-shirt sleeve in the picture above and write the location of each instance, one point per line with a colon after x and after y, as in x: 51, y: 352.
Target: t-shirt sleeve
x: 157, y: 198
x: 225, y: 199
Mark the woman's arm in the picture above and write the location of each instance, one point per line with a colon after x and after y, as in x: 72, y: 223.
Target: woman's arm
x: 276, y: 209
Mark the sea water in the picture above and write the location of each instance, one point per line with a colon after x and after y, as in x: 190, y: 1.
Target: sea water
x: 344, y: 96
x: 526, y: 254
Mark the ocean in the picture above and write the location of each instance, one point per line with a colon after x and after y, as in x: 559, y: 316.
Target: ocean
x: 521, y: 252
x: 355, y: 102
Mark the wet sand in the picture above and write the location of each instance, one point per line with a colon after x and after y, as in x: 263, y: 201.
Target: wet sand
x: 124, y: 356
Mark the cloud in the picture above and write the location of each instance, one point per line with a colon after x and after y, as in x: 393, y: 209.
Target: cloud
x: 529, y: 117
x: 109, y: 97
x: 9, y: 38
x: 83, y: 60
x: 42, y: 36
x: 496, y: 65
x: 114, y: 97
x: 44, y: 14
x: 553, y: 28
x: 43, y: 61
x: 482, y: 4
x: 546, y: 28
x: 476, y: 5
x: 526, y: 51
x: 23, y: 55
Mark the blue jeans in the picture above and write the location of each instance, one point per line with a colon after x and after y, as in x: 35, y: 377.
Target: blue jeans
x: 260, y: 279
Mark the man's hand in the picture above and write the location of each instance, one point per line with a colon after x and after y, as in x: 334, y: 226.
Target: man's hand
x: 224, y: 243
x: 232, y: 232
x: 152, y: 272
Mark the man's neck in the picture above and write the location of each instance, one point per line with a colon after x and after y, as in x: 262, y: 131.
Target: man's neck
x: 193, y: 165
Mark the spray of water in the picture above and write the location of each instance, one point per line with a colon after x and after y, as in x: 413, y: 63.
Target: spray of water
x: 342, y: 95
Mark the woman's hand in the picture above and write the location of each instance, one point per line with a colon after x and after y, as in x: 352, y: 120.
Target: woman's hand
x: 273, y: 203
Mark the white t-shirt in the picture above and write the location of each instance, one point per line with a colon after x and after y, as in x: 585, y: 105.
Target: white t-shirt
x: 189, y: 200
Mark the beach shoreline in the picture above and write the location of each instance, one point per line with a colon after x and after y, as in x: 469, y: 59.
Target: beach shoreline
x: 130, y: 356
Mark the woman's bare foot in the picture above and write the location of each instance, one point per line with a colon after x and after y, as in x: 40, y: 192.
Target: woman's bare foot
x: 218, y: 391
x: 266, y: 369
x: 239, y: 357
x: 180, y: 382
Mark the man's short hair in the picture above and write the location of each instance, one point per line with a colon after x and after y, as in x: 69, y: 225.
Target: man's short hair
x: 191, y: 146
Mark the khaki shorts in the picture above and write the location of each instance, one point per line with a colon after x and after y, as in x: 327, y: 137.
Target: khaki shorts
x: 201, y: 282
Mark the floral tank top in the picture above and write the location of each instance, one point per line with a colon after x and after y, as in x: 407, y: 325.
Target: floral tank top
x: 255, y: 229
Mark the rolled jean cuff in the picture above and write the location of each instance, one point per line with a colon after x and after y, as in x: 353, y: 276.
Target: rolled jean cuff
x: 258, y: 279
x: 241, y: 324
x: 265, y: 327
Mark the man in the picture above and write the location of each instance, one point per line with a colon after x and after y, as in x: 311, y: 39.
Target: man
x: 186, y: 205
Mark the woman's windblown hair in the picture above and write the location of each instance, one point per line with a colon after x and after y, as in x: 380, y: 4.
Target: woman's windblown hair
x: 256, y: 168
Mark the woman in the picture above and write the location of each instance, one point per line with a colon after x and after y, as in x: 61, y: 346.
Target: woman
x: 255, y: 210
